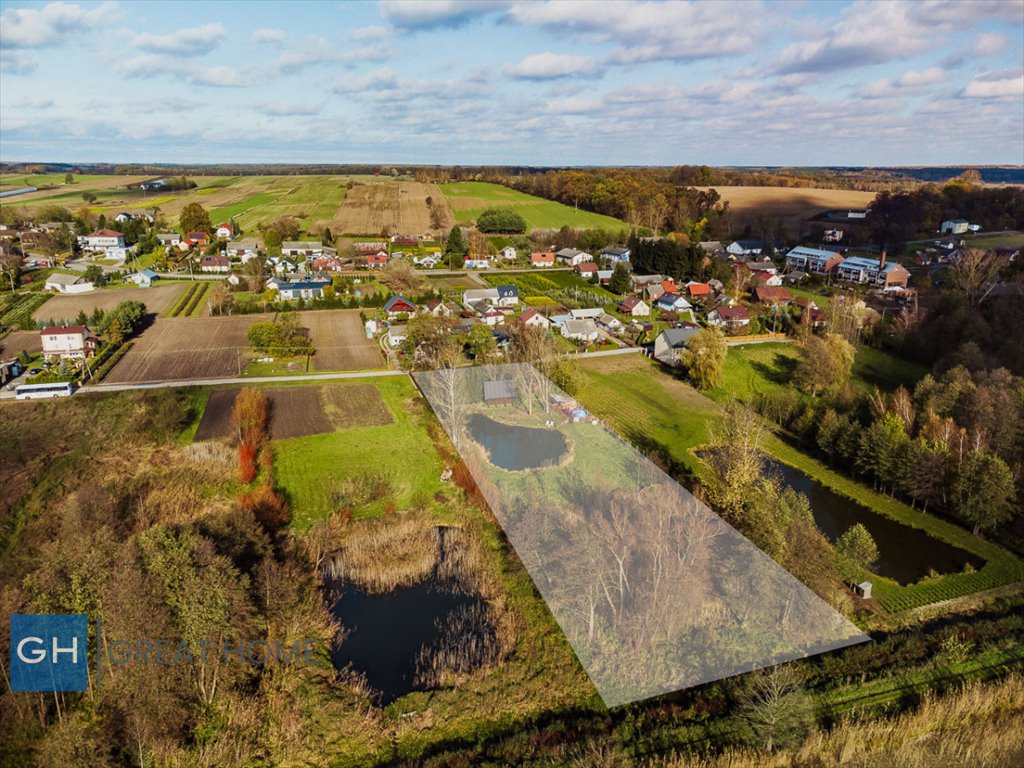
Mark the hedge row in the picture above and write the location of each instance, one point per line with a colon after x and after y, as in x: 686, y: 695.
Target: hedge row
x: 111, y: 361
x: 180, y: 304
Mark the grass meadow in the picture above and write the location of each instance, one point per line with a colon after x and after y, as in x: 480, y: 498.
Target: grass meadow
x: 471, y: 198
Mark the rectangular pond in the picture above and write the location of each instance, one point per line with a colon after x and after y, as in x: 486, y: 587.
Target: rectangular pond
x: 905, y: 554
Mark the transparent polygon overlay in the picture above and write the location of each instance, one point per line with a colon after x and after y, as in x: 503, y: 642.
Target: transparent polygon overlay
x: 653, y: 590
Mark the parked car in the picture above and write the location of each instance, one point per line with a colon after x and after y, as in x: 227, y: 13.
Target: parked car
x: 34, y: 371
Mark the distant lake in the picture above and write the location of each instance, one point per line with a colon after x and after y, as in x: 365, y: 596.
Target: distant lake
x: 905, y: 554
x: 511, y: 447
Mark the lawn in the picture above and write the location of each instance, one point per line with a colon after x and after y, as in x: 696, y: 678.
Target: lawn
x: 471, y: 198
x: 657, y: 412
x: 997, y: 240
x: 309, y: 467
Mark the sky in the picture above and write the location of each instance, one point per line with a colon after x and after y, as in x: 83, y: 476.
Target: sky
x: 931, y: 82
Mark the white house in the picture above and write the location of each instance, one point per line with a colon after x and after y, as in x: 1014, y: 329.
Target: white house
x: 72, y: 341
x: 672, y: 302
x: 955, y: 226
x: 670, y: 342
x: 615, y: 253
x: 477, y: 264
x: 634, y: 306
x: 302, y: 289
x: 729, y: 316
x: 581, y: 330
x: 610, y: 323
x: 107, y: 241
x: 508, y: 253
x: 225, y: 232
x: 508, y: 295
x: 302, y: 248
x: 745, y: 247
x: 534, y: 318
x: 473, y: 295
x: 587, y: 313
x: 168, y: 239
x: 814, y: 260
x: 542, y: 259
x: 214, y: 263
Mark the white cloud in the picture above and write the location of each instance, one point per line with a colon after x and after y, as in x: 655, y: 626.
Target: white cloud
x: 17, y: 62
x: 189, y: 42
x: 909, y: 82
x: 287, y: 109
x: 378, y: 79
x: 996, y: 85
x: 269, y: 35
x: 990, y: 44
x: 220, y: 77
x: 429, y: 14
x: 38, y: 27
x: 369, y: 34
x: 551, y: 66
x: 652, y: 31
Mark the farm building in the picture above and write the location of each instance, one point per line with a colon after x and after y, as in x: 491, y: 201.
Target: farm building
x: 499, y: 392
x: 955, y: 226
x: 68, y: 341
x: 143, y: 278
x: 296, y: 248
x: 62, y: 283
x: 473, y: 295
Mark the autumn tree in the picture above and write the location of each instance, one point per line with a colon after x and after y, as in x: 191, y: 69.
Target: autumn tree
x: 825, y: 363
x: 704, y: 358
x: 777, y: 708
x: 482, y: 345
x: 402, y: 277
x: 974, y: 271
x: 194, y: 218
x: 736, y: 459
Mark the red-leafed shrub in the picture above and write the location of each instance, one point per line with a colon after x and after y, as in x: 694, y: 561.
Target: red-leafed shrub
x: 246, y: 462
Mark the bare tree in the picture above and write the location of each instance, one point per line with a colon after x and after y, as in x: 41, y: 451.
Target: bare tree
x: 975, y: 271
x: 777, y: 709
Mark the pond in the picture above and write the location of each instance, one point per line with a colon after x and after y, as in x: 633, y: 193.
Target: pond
x: 905, y: 554
x: 395, y: 639
x: 512, y: 447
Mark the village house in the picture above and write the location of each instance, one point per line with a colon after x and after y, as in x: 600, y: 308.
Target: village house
x: 225, y: 232
x: 396, y: 335
x: 586, y: 270
x: 533, y: 318
x: 772, y: 295
x: 634, y: 306
x: 572, y: 257
x: 542, y: 259
x: 604, y: 276
x: 713, y: 248
x: 832, y: 235
x: 476, y: 264
x: 876, y: 272
x: 197, y: 238
x: 810, y: 312
x: 168, y: 239
x: 234, y: 279
x: 581, y: 330
x: 245, y: 250
x: 473, y: 295
x: 299, y: 289
x: 813, y: 260
x: 670, y: 342
x: 407, y: 241
x: 427, y: 262
x: 745, y: 248
x: 642, y: 281
x: 610, y: 323
x: 214, y: 263
x: 672, y: 302
x: 108, y: 241
x: 143, y: 278
x: 508, y: 253
x: 508, y: 296
x: 399, y: 306
x: 437, y: 308
x: 731, y: 317
x: 697, y: 290
x: 366, y: 248
x: 615, y: 253
x: 68, y: 341
x: 377, y: 260
x: 586, y: 313
x: 955, y: 226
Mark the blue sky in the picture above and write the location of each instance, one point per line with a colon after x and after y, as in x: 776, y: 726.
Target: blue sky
x: 538, y: 83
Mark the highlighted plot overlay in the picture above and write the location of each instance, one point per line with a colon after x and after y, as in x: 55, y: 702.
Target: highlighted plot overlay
x: 653, y: 590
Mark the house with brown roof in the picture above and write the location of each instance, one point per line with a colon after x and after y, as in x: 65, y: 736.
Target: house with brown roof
x: 542, y: 259
x: 772, y: 294
x: 634, y: 306
x: 731, y: 317
x: 68, y: 341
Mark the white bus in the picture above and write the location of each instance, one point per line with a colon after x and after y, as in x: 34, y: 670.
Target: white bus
x: 53, y: 389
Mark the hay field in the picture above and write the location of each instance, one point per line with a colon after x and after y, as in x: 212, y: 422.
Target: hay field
x: 398, y: 205
x: 67, y: 306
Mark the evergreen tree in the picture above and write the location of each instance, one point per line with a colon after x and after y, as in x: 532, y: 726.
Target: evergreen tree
x: 456, y: 245
x: 983, y: 491
x: 620, y: 282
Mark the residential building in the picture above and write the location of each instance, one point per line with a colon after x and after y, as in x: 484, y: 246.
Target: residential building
x: 670, y: 342
x: 672, y: 302
x: 581, y: 330
x: 813, y: 260
x: 832, y: 235
x: 610, y: 323
x: 102, y: 240
x: 745, y: 248
x: 713, y: 248
x: 214, y: 263
x: 168, y: 238
x: 197, y: 238
x: 591, y: 313
x: 615, y: 253
x: 68, y: 341
x: 297, y: 248
x: 438, y: 308
x: 476, y: 264
x: 697, y: 290
x: 399, y: 306
x: 508, y: 253
x: 508, y: 295
x: 875, y: 272
x: 731, y: 317
x: 225, y: 232
x: 473, y: 295
x: 377, y: 260
x: 634, y: 306
x: 365, y: 248
x: 299, y: 289
x: 955, y: 226
x: 144, y: 278
x: 772, y: 294
x: 542, y: 259
x: 62, y: 283
x: 532, y: 317
x: 586, y: 269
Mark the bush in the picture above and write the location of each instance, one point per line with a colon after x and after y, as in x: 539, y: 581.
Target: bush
x: 501, y: 220
x: 246, y: 463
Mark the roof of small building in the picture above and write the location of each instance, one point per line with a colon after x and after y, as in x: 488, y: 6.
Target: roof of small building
x: 680, y: 337
x: 802, y: 250
x: 733, y: 313
x: 57, y: 330
x: 59, y: 278
x: 772, y: 293
x: 499, y: 389
x: 396, y: 300
x: 105, y: 233
x: 614, y: 250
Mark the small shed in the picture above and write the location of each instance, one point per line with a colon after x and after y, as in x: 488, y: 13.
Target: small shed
x: 499, y: 392
x: 863, y: 590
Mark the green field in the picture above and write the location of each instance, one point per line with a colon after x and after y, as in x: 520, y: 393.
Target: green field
x: 41, y: 179
x: 553, y: 285
x: 471, y: 198
x: 309, y: 467
x: 658, y: 412
x: 997, y: 240
x: 228, y: 212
